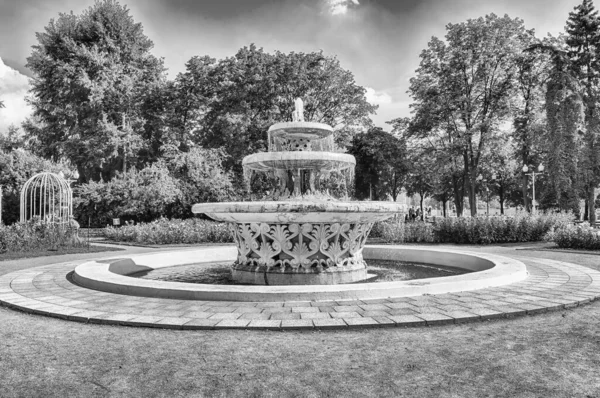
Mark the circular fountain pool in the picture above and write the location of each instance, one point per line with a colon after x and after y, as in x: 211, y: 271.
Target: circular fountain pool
x: 486, y: 270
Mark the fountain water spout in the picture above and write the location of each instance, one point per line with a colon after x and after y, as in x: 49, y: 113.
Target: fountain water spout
x: 298, y: 115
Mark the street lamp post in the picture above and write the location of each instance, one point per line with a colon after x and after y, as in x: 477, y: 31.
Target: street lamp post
x: 533, y: 173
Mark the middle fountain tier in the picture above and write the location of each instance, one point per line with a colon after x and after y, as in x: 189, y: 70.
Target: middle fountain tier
x: 303, y: 236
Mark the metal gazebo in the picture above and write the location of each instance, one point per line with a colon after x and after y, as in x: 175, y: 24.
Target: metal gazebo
x: 47, y: 196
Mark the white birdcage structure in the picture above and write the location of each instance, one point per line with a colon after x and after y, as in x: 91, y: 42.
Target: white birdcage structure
x: 47, y: 196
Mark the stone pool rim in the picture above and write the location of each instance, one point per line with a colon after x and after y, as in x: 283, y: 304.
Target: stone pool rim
x: 489, y: 270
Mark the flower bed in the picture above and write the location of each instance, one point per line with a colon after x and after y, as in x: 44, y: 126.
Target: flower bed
x: 36, y: 235
x: 477, y: 230
x: 575, y: 237
x: 164, y: 231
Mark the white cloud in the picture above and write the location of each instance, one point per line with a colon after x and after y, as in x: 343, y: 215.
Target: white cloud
x: 377, y: 97
x: 13, y: 88
x: 337, y: 7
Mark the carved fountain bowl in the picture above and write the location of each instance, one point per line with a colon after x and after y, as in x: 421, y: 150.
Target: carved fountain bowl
x: 289, y: 160
x: 299, y: 242
x: 310, y: 130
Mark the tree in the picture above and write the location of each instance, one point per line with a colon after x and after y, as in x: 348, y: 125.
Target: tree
x: 528, y: 121
x: 463, y: 86
x: 583, y: 47
x: 92, y: 75
x: 142, y: 195
x: 230, y: 104
x: 565, y: 119
x: 381, y: 164
x: 12, y: 140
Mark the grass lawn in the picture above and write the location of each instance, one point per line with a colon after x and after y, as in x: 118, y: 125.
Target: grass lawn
x: 60, y: 251
x: 556, y: 354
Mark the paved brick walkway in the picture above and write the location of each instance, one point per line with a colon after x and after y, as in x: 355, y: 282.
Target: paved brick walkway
x: 551, y: 285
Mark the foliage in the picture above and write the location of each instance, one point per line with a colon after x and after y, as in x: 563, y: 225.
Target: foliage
x: 381, y: 164
x: 473, y: 230
x: 16, y: 167
x: 199, y: 176
x: 230, y: 104
x: 464, y: 85
x: 489, y: 230
x: 164, y: 231
x: 398, y: 231
x: 92, y: 75
x: 37, y: 235
x: 583, y: 49
x: 136, y: 195
x: 580, y: 236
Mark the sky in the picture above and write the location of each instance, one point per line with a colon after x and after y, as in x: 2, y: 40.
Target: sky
x: 379, y: 41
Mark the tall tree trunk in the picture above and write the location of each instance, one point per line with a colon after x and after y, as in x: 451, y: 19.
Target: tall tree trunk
x: 473, y: 196
x: 525, y: 201
x: 444, y: 204
x: 592, y: 205
x: 586, y: 211
x: 421, y: 204
x: 501, y: 196
x: 458, y: 196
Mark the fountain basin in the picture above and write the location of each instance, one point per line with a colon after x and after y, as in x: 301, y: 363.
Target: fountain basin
x: 298, y: 160
x: 489, y: 271
x: 299, y: 242
x: 300, y: 129
x: 298, y: 211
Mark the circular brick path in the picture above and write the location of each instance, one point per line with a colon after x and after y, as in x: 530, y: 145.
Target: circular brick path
x: 47, y: 290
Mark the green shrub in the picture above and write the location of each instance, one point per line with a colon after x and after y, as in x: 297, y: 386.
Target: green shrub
x: 487, y: 230
x: 478, y: 230
x: 398, y: 231
x: 164, y: 231
x: 575, y: 237
x: 36, y: 235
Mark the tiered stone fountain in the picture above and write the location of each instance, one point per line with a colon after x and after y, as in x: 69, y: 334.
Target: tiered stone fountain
x: 302, y: 236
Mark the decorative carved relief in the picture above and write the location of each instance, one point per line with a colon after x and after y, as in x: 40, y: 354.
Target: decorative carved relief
x: 300, y: 247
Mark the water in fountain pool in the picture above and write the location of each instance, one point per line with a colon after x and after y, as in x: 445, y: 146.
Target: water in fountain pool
x: 219, y: 273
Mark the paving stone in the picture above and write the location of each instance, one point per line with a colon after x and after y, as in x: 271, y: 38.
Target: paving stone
x: 297, y: 324
x: 144, y: 320
x: 374, y: 307
x: 173, y: 322
x: 400, y: 311
x: 347, y: 308
x: 344, y: 315
x: 315, y: 315
x: 117, y: 318
x: 255, y: 316
x: 201, y: 324
x: 285, y: 315
x: 401, y: 304
x: 297, y: 304
x: 436, y: 319
x: 407, y: 320
x: 487, y: 313
x: 362, y: 321
x: 226, y: 315
x: 232, y: 323
x: 198, y: 314
x: 305, y: 309
x: 373, y: 314
x: 323, y: 304
x: 330, y: 323
x: 264, y: 324
x: 375, y: 301
x: 248, y: 310
x: 462, y: 316
x: 384, y: 321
